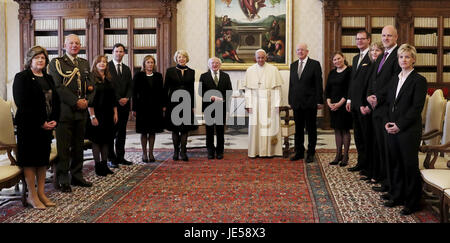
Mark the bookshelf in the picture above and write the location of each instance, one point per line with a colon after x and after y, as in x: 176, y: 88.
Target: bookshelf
x: 422, y: 23
x: 145, y: 39
x: 426, y: 31
x: 115, y: 31
x: 46, y: 34
x: 350, y: 25
x: 143, y: 26
x: 446, y: 50
x: 49, y: 34
x: 137, y: 34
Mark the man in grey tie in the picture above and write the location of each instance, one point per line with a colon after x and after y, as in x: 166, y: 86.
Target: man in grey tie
x: 305, y: 98
x: 358, y: 105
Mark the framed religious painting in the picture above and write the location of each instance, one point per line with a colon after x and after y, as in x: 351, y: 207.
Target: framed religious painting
x: 238, y: 28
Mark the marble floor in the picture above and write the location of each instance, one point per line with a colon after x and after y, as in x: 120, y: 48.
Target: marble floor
x: 235, y: 138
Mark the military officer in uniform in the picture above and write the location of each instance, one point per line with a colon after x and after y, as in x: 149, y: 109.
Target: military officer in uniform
x: 71, y: 76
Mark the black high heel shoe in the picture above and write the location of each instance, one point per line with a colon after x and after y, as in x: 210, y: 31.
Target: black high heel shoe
x: 344, y: 161
x: 336, y: 160
x: 176, y: 154
x: 184, y: 156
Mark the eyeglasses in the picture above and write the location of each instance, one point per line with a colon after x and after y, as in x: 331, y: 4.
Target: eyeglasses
x: 359, y: 39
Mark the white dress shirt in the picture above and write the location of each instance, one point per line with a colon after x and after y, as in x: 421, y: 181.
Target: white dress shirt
x: 115, y: 65
x: 401, y: 81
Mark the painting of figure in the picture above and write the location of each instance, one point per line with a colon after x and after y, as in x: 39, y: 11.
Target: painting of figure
x: 251, y: 7
x: 240, y: 27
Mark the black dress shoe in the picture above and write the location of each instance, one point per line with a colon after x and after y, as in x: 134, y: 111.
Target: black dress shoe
x: 309, y: 158
x: 391, y: 203
x: 343, y: 163
x: 125, y: 162
x: 379, y: 188
x: 184, y: 157
x: 176, y: 154
x: 219, y: 156
x: 385, y: 196
x: 406, y: 211
x: 82, y: 183
x: 297, y: 156
x: 64, y: 188
x: 210, y: 156
x: 334, y: 162
x: 355, y: 168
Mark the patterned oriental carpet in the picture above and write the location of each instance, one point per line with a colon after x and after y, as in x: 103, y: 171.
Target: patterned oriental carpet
x: 233, y: 190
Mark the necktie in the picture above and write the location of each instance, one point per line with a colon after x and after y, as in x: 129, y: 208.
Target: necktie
x: 119, y: 72
x: 216, y: 79
x: 360, y: 59
x: 300, y: 69
x: 382, y: 62
x: 75, y: 62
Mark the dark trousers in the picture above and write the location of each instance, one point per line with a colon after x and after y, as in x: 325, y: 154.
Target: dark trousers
x: 120, y: 133
x: 305, y: 118
x: 220, y: 130
x: 380, y: 150
x: 362, y: 128
x: 69, y: 143
x: 406, y: 182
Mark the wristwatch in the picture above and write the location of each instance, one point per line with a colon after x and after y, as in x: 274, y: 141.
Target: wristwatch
x: 92, y: 117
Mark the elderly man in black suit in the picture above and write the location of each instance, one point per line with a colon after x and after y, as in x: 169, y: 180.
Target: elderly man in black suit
x: 305, y: 98
x: 215, y: 88
x: 386, y: 67
x: 357, y: 103
x: 122, y: 83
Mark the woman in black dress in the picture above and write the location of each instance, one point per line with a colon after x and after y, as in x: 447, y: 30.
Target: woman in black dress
x: 373, y: 169
x: 37, y: 116
x: 148, y: 101
x: 180, y: 83
x: 102, y: 114
x: 335, y: 91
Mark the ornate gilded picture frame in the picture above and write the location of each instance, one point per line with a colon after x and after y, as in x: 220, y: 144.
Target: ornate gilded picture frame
x: 240, y: 27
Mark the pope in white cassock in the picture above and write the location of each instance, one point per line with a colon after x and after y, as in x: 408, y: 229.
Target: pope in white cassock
x: 262, y: 86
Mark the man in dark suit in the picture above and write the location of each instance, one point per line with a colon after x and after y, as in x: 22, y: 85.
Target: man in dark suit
x: 216, y: 93
x: 71, y: 76
x: 122, y: 83
x: 305, y: 98
x: 356, y: 101
x: 386, y: 67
